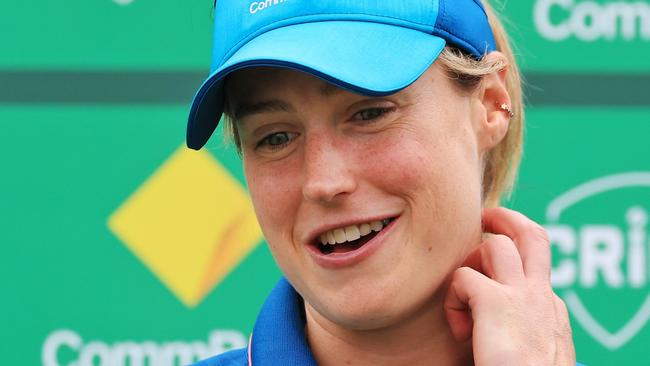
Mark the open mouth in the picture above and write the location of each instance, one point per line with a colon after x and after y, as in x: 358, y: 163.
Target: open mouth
x: 351, y: 237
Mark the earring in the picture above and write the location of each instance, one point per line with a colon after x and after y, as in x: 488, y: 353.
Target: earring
x: 506, y: 108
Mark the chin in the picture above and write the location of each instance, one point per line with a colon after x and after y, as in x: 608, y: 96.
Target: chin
x: 363, y: 316
x: 372, y: 308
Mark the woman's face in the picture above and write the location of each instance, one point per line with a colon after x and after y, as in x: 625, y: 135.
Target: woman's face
x: 321, y: 161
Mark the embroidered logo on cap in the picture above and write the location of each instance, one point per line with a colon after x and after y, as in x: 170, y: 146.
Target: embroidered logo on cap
x: 257, y: 6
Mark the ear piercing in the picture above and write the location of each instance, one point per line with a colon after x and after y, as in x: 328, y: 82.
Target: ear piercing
x: 506, y: 108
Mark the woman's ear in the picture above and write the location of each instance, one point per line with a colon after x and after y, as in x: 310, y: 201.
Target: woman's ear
x: 495, y: 108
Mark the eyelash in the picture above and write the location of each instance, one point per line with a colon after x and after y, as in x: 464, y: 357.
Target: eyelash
x: 384, y: 112
x: 265, y: 142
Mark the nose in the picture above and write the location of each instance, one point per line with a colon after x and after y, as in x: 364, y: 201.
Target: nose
x: 328, y: 172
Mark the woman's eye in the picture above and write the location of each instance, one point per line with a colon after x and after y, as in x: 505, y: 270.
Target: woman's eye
x: 275, y: 140
x: 372, y: 113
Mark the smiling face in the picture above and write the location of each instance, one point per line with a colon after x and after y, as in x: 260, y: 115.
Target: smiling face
x: 324, y: 163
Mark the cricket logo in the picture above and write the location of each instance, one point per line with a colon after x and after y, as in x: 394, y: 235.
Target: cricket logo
x: 600, y: 240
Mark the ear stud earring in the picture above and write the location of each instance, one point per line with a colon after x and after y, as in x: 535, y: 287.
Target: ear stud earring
x: 506, y: 108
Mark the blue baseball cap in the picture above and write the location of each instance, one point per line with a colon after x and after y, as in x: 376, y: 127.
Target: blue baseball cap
x: 371, y: 47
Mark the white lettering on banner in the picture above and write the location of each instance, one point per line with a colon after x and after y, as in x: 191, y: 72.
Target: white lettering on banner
x: 589, y: 21
x: 601, y: 250
x: 637, y: 218
x: 564, y: 237
x: 595, y: 254
x: 131, y: 353
x: 257, y: 6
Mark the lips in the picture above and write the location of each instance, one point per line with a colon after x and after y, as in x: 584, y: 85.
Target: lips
x: 351, y: 243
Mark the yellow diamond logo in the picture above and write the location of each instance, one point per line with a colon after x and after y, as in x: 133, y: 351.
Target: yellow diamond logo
x: 190, y: 223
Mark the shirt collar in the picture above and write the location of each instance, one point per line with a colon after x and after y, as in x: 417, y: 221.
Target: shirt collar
x: 279, y: 333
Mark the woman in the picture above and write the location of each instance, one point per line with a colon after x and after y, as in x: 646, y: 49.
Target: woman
x: 376, y: 138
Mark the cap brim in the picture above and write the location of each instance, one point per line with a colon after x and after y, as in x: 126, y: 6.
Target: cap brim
x: 363, y: 57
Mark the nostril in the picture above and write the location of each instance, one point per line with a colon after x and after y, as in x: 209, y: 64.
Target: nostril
x: 327, y: 184
x: 328, y: 189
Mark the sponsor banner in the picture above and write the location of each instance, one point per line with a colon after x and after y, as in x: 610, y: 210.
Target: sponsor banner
x: 113, y: 247
x: 121, y: 247
x: 106, y: 34
x: 581, y: 35
x: 590, y: 188
x: 130, y: 353
x: 552, y: 35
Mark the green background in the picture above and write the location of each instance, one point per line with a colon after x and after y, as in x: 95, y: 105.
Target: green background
x: 94, y: 97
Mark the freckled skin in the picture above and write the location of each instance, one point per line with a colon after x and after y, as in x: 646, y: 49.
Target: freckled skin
x: 421, y: 162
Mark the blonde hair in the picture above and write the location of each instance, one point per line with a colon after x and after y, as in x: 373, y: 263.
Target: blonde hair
x: 502, y: 162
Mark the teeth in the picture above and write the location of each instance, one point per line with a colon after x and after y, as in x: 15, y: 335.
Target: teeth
x: 376, y: 226
x: 339, y: 234
x: 365, y: 229
x: 352, y: 232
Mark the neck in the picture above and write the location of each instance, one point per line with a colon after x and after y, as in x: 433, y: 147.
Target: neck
x: 422, y: 339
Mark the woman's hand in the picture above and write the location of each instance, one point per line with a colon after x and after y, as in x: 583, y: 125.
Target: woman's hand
x: 503, y: 298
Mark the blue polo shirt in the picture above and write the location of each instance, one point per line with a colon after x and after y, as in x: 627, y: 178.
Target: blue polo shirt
x: 278, y: 336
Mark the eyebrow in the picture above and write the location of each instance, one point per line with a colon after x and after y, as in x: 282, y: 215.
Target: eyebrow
x: 274, y: 105
x: 277, y: 105
x: 329, y: 89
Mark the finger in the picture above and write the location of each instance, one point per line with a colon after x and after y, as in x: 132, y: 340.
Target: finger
x: 530, y: 238
x: 465, y: 285
x: 501, y: 260
x: 474, y: 261
x: 565, y: 351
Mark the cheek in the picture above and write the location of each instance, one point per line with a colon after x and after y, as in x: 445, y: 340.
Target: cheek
x: 275, y: 200
x: 438, y: 175
x: 423, y: 162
